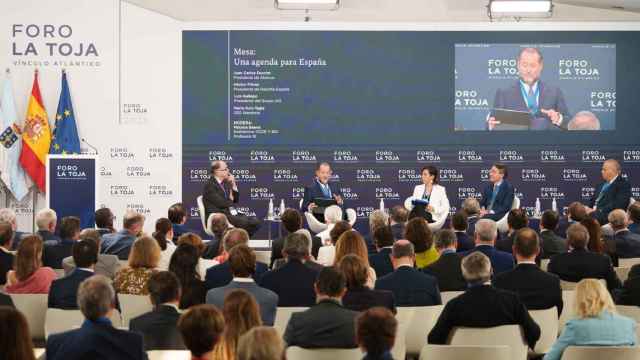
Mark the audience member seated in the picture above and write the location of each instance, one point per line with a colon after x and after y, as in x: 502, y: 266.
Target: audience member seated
x: 177, y: 215
x: 328, y: 324
x: 201, y: 328
x: 471, y: 208
x: 164, y: 236
x: 459, y: 224
x: 309, y: 261
x: 241, y: 314
x: 332, y: 215
x: 579, y: 263
x: 633, y: 212
x: 104, y: 221
x: 15, y: 343
x: 398, y: 220
x: 381, y: 261
x: 107, y: 265
x: 6, y: 255
x: 597, y: 242
x: 242, y: 261
x: 359, y: 296
x: 419, y: 234
x: 292, y: 222
x: 234, y: 236
x: 220, y: 275
x: 261, y: 342
x: 196, y: 241
x: 63, y: 292
x: 184, y: 265
x: 219, y: 225
x: 377, y: 218
x: 46, y: 221
x: 627, y: 242
x: 613, y: 193
x: 143, y: 261
x: 327, y: 253
x: 597, y: 323
x: 410, y: 287
x: 630, y: 292
x: 576, y: 212
x: 120, y: 243
x: 447, y: 269
x: 29, y: 276
x: 537, y: 289
x: 485, y: 238
x: 293, y: 282
x: 483, y: 305
x: 54, y: 252
x: 96, y: 338
x: 551, y: 243
x: 516, y: 219
x: 159, y: 326
x: 376, y: 333
x: 9, y: 216
x: 351, y: 242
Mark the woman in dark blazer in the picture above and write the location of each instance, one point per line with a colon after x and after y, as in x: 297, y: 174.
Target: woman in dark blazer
x: 359, y: 297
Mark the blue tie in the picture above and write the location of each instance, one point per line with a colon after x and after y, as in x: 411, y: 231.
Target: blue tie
x: 493, y: 196
x: 325, y: 190
x: 604, y: 188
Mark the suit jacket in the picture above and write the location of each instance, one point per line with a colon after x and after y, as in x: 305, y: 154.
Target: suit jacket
x: 630, y: 292
x: 371, y: 247
x: 438, y: 200
x: 505, y: 242
x: 381, y: 262
x: 107, y: 265
x: 581, y: 264
x: 484, y: 306
x: 627, y: 244
x: 471, y: 225
x: 634, y: 228
x: 278, y: 244
x: 97, y: 340
x: 6, y: 264
x: 362, y: 298
x: 53, y: 253
x: 325, y: 325
x: 48, y: 236
x: 411, y: 287
x: 503, y: 201
x: 159, y: 328
x: 293, y: 283
x: 398, y: 231
x: 220, y: 275
x: 465, y: 242
x: 552, y: 244
x: 118, y: 243
x: 448, y: 272
x: 267, y: 300
x: 537, y: 289
x: 63, y: 292
x: 315, y: 191
x: 5, y: 300
x: 550, y: 98
x: 500, y: 261
x: 317, y: 267
x: 17, y: 237
x: 217, y: 200
x: 615, y: 197
x: 563, y: 225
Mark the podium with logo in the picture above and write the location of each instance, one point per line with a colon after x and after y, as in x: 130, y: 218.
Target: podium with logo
x: 72, y: 184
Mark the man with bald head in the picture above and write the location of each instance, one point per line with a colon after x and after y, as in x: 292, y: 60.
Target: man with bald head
x: 221, y: 194
x: 584, y: 121
x: 613, y: 193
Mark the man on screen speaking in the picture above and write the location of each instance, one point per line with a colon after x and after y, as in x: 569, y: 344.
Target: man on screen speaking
x: 544, y: 102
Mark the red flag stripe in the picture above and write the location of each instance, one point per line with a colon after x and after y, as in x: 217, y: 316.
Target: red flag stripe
x: 32, y: 165
x: 35, y: 91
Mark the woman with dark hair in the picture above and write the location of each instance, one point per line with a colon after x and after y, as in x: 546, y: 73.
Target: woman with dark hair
x: 164, y: 236
x: 359, y: 296
x: 29, y: 276
x: 15, y: 342
x: 418, y: 233
x: 429, y: 199
x: 201, y: 328
x: 184, y: 264
x: 596, y: 242
x: 376, y: 333
x: 241, y: 314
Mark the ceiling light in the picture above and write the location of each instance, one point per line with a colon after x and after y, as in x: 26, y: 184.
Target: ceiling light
x: 307, y: 4
x: 520, y: 9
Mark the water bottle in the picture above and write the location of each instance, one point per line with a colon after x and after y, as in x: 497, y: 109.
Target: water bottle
x: 382, y: 205
x: 270, y: 211
x: 554, y: 205
x: 281, y: 207
x: 538, y: 208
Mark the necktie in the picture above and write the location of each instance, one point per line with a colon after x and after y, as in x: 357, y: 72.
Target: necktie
x: 325, y: 190
x: 493, y: 196
x: 604, y: 188
x: 224, y: 191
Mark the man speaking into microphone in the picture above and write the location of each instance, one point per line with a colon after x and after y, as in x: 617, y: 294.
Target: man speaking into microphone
x: 545, y: 103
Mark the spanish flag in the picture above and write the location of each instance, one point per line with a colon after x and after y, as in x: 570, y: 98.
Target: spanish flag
x: 36, y: 137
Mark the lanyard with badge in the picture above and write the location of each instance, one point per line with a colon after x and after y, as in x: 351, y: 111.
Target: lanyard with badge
x: 531, y: 101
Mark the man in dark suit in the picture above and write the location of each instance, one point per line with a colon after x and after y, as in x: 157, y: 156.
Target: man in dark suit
x: 104, y: 221
x: 107, y: 265
x: 9, y: 216
x: 6, y: 256
x: 483, y: 305
x: 633, y: 212
x: 53, y: 253
x: 576, y: 212
x: 579, y: 263
x: 159, y: 326
x: 292, y: 222
x: 630, y: 292
x: 516, y: 220
x: 327, y: 324
x: 398, y: 216
x: 63, y: 292
x: 221, y: 194
x: 485, y: 238
x: 46, y: 221
x: 322, y: 189
x: 497, y: 196
x: 551, y: 243
x: 537, y: 289
x: 543, y: 101
x: 613, y: 193
x: 459, y: 225
x: 96, y: 338
x: 120, y: 243
x: 410, y: 286
x: 471, y: 208
x: 627, y: 242
x: 447, y: 268
x: 381, y: 261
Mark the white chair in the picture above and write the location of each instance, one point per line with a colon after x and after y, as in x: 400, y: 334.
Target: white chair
x: 399, y: 350
x: 631, y: 311
x: 283, y: 314
x: 622, y: 273
x: 263, y: 256
x: 435, y: 226
x: 502, y: 223
x: 169, y: 355
x: 132, y: 306
x: 465, y: 352
x: 544, y: 264
x: 58, y: 320
x: 34, y: 309
x: 568, y: 312
x: 509, y: 335
x: 203, y: 213
x: 421, y: 321
x: 601, y: 352
x: 628, y: 262
x: 298, y: 353
x: 548, y: 322
x: 314, y: 225
x: 448, y: 295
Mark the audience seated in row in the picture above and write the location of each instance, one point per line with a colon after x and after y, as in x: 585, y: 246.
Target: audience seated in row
x: 6, y: 255
x: 15, y: 343
x: 184, y: 265
x: 516, y: 219
x: 460, y: 224
x: 119, y: 243
x: 327, y: 253
x: 471, y: 208
x: 377, y: 218
x: 241, y: 313
x: 164, y: 237
x: 418, y: 233
x: 55, y: 251
x: 398, y: 217
x: 376, y: 333
x: 447, y: 269
x: 63, y: 291
x: 551, y: 243
x: 46, y: 222
x: 359, y: 295
x: 219, y: 225
x: 352, y: 243
x: 107, y: 265
x: 626, y: 243
x: 486, y: 232
x: 143, y: 262
x: 292, y: 222
x: 7, y: 215
x: 29, y: 276
x: 381, y: 260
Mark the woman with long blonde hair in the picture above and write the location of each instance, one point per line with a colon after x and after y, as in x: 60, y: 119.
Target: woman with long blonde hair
x: 351, y: 242
x: 241, y: 314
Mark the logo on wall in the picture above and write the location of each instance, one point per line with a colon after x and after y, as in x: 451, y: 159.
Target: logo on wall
x: 345, y: 156
x: 335, y: 177
x: 470, y: 100
x: 577, y: 69
x: 468, y: 192
x: 139, y: 208
x: 105, y: 172
x: 450, y: 175
x: 121, y: 153
x: 586, y: 193
x: 137, y: 172
x: 367, y: 175
x: 194, y: 212
x: 533, y: 175
x: 363, y: 212
x: 513, y: 156
x: 303, y: 156
x: 121, y: 190
x: 592, y: 156
x: 635, y: 192
x: 261, y: 156
x: 159, y: 153
x: 160, y: 191
x: 243, y: 175
x: 349, y: 194
x: 387, y: 156
x: 218, y: 155
x: 573, y: 175
x: 409, y: 175
x: 387, y: 193
x: 469, y: 156
x: 551, y: 192
x: 245, y: 210
x: 297, y: 192
x: 484, y: 175
x: 502, y: 69
x: 199, y: 175
x: 260, y: 193
x: 603, y: 101
x: 427, y: 156
x: 631, y: 156
x: 284, y: 175
x: 70, y: 173
x: 552, y: 156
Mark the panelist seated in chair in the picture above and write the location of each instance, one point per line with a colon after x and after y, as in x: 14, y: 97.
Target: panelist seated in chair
x: 429, y: 199
x: 497, y: 197
x: 322, y: 191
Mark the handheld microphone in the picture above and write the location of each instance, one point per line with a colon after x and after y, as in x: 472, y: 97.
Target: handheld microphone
x: 95, y: 150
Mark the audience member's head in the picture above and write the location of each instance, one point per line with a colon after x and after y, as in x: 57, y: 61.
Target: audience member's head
x: 592, y: 298
x: 133, y: 221
x: 330, y: 284
x: 549, y: 220
x: 28, y: 257
x: 85, y: 253
x: 332, y: 214
x: 15, y: 342
x: 383, y: 237
x: 46, y: 220
x: 307, y: 234
x: 446, y: 239
x: 163, y: 231
x: 355, y: 271
x: 296, y: 246
x: 104, y: 218
x: 476, y: 267
x: 8, y: 215
x: 471, y: 206
x: 177, y: 214
x: 70, y: 228
x: 338, y: 229
x: 96, y: 297
x: 233, y: 237
x: 6, y: 234
x: 145, y: 253
x: 219, y: 224
x: 193, y: 239
x: 526, y: 245
x: 418, y: 232
x: 486, y: 232
x: 459, y: 221
x: 201, y: 328
x: 184, y: 264
x: 577, y: 236
x: 402, y: 254
x: 596, y: 242
x: 291, y: 220
x: 634, y: 212
x: 376, y: 331
x: 377, y: 218
x: 610, y: 169
x: 576, y: 211
x: 618, y: 219
x: 164, y: 288
x: 584, y: 120
x: 261, y: 343
x: 351, y: 242
x: 242, y: 260
x: 517, y: 219
x: 399, y: 215
x: 91, y: 234
x: 241, y: 314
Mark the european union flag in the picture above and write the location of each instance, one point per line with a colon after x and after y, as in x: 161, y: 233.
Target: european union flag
x: 65, y: 135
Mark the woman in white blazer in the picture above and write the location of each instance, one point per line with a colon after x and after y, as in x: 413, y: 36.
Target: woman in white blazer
x: 434, y: 193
